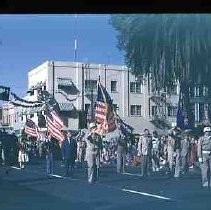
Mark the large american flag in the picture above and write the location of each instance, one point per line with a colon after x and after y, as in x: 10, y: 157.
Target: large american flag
x: 54, y: 124
x: 31, y: 128
x: 104, y: 114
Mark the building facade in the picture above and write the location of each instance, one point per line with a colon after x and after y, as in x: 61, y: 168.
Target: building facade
x: 74, y: 86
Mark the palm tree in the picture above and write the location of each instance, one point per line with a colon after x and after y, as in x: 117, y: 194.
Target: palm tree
x: 169, y: 47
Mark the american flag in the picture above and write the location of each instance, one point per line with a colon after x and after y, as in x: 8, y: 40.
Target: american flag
x: 104, y: 114
x: 31, y: 128
x: 54, y: 124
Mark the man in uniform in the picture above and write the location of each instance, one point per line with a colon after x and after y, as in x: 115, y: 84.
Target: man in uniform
x: 185, y: 150
x: 144, y: 149
x: 121, y: 152
x: 204, y: 154
x: 93, y: 149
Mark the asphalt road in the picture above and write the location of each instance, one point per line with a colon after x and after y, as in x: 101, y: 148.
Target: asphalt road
x: 31, y: 189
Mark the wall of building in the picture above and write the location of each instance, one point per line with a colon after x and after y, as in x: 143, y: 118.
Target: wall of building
x: 50, y: 73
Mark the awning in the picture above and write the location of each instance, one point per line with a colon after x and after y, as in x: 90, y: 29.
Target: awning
x: 66, y: 106
x: 64, y: 81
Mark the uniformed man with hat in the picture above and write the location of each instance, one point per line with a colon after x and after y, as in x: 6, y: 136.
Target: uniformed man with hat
x: 204, y: 155
x: 93, y: 149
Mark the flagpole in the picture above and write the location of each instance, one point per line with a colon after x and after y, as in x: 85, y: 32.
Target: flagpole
x: 75, y: 40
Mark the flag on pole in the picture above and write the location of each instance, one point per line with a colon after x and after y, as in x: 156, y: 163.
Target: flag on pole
x: 54, y: 124
x: 31, y: 128
x: 180, y: 116
x: 124, y: 127
x: 183, y: 120
x: 104, y: 114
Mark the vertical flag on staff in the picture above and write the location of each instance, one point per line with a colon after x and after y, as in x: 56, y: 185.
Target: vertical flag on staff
x: 104, y: 114
x: 54, y: 124
x: 124, y: 127
x: 31, y: 129
x: 183, y: 118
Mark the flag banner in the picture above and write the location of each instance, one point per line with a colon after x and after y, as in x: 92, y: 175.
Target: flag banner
x: 183, y: 120
x: 31, y: 128
x: 124, y: 127
x: 104, y: 114
x: 54, y: 124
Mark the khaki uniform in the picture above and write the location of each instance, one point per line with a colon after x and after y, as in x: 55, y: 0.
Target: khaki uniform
x: 93, y: 150
x: 204, y: 153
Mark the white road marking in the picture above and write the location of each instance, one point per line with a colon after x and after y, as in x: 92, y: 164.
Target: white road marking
x: 36, y: 172
x: 15, y: 167
x: 132, y: 174
x: 62, y: 177
x: 124, y: 190
x: 146, y: 194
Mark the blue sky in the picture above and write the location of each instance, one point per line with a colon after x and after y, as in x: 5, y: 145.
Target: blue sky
x: 28, y: 40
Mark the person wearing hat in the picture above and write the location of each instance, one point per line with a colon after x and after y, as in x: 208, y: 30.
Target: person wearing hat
x: 204, y: 155
x: 94, y: 146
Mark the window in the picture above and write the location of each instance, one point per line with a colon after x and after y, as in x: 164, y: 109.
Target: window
x: 172, y: 90
x: 154, y: 110
x: 31, y: 93
x: 136, y: 87
x: 205, y: 91
x: 199, y: 91
x: 31, y: 115
x: 135, y: 110
x: 90, y: 85
x: 87, y: 107
x: 115, y: 107
x: 172, y: 111
x: 113, y: 86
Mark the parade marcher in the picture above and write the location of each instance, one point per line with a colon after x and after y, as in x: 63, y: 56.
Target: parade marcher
x: 204, y: 155
x: 170, y: 152
x: 94, y: 146
x: 144, y: 149
x: 48, y: 148
x: 22, y: 155
x: 81, y: 149
x: 185, y: 150
x: 177, y: 151
x: 69, y: 153
x: 121, y: 152
x: 192, y: 159
x: 155, y: 151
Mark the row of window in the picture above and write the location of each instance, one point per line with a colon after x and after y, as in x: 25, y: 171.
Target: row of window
x: 171, y: 111
x: 135, y: 87
x: 136, y: 110
x: 199, y: 91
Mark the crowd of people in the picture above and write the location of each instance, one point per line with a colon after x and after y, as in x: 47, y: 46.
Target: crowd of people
x: 175, y: 153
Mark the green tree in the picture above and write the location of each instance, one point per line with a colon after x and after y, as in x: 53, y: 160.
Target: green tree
x: 169, y: 47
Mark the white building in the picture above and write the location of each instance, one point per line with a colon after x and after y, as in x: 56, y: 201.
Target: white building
x: 77, y: 82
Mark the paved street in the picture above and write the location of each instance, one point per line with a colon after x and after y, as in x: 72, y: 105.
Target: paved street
x: 31, y: 189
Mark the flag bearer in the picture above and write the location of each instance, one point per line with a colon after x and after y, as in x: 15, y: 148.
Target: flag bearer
x: 94, y: 146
